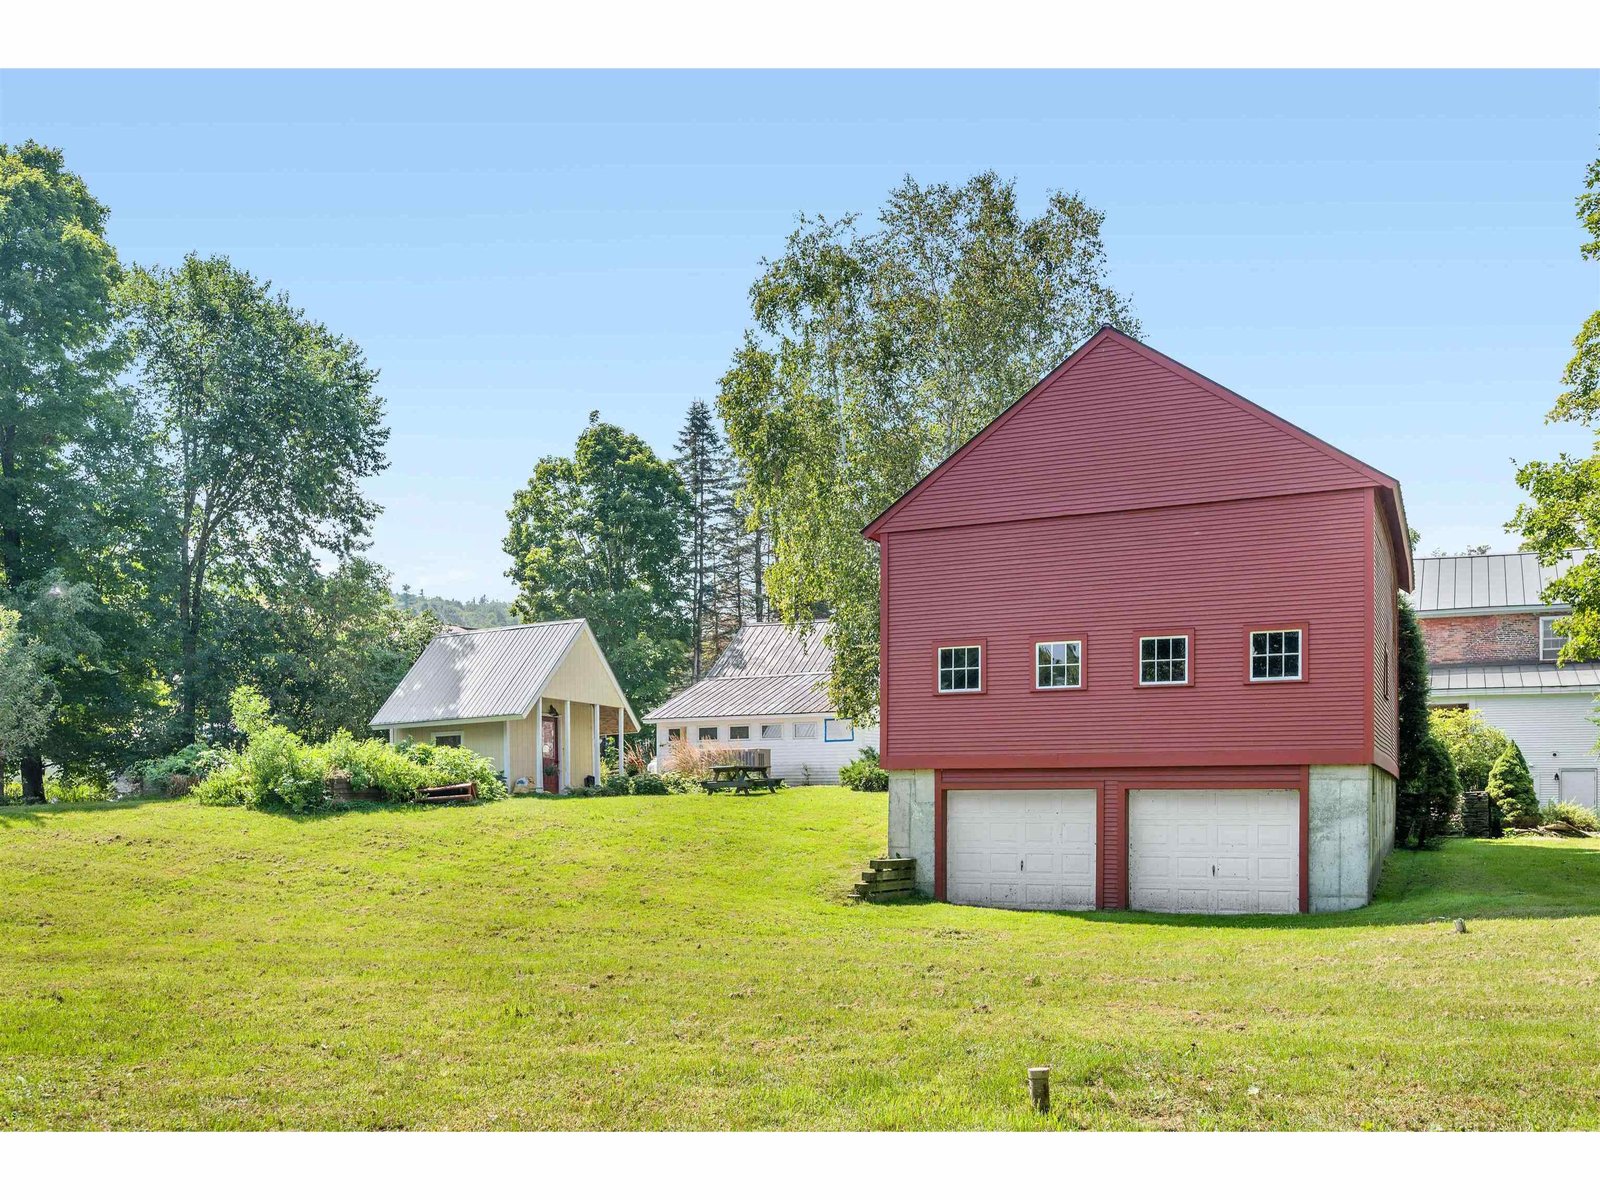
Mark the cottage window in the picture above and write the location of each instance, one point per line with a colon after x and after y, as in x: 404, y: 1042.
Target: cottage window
x: 1275, y: 655
x: 837, y: 729
x: 447, y: 739
x: 772, y: 733
x: 707, y: 733
x: 961, y: 668
x: 805, y: 729
x: 1058, y: 664
x: 1550, y: 642
x: 739, y: 733
x: 1163, y: 660
x: 675, y: 735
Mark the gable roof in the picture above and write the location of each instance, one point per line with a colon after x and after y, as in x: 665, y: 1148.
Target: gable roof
x: 1460, y: 583
x: 768, y: 669
x: 1151, y: 391
x: 485, y: 674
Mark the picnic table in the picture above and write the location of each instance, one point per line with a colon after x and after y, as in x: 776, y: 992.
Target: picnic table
x: 741, y: 777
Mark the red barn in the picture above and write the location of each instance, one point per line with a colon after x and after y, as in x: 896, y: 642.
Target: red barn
x: 1138, y: 651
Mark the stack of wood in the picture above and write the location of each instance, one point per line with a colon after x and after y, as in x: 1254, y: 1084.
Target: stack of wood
x: 1479, y: 817
x: 888, y: 877
x: 449, y: 794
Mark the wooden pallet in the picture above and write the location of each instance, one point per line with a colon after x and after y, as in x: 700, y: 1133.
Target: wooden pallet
x: 887, y: 878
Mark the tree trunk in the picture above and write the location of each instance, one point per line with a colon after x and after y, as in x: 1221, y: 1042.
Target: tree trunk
x: 10, y: 530
x: 32, y: 779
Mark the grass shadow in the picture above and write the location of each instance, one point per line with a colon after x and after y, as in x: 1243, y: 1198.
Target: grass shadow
x: 29, y: 814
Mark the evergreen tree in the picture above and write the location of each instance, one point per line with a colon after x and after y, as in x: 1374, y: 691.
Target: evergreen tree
x: 1511, y: 787
x: 702, y: 462
x: 1416, y: 758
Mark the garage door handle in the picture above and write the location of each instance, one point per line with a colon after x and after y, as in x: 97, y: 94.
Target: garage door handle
x: 1213, y: 869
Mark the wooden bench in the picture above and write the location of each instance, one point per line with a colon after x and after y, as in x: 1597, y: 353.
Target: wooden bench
x: 450, y: 793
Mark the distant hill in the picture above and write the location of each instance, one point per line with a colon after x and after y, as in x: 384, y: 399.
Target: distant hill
x: 482, y: 613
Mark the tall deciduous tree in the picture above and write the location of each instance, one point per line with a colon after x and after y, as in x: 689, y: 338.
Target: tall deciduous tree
x: 27, y: 696
x: 267, y: 423
x: 1562, y: 512
x: 600, y: 535
x: 58, y: 359
x: 875, y: 352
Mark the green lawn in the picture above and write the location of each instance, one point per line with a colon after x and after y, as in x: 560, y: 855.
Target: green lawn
x: 694, y: 963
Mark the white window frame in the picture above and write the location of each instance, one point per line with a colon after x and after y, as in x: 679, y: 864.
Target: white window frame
x: 700, y: 733
x: 827, y: 729
x: 1039, y: 666
x: 1299, y: 654
x: 805, y: 731
x: 735, y: 736
x: 459, y: 735
x: 1548, y: 634
x: 939, y: 669
x: 1188, y: 660
x: 772, y: 731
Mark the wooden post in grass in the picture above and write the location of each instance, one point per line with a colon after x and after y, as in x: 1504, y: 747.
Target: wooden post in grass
x: 1039, y: 1088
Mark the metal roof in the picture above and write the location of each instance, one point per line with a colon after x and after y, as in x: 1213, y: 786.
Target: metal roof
x: 1452, y: 583
x: 769, y: 669
x: 1444, y: 681
x: 481, y: 674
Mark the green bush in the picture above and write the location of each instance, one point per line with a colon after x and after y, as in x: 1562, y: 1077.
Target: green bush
x: 1473, y: 745
x: 1511, y: 787
x: 1573, y: 814
x: 60, y: 791
x: 864, y: 774
x: 1424, y: 813
x: 648, y: 785
x: 196, y: 761
x: 276, y: 769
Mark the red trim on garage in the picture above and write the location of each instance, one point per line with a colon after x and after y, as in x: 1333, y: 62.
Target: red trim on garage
x: 1111, y: 809
x: 1305, y: 839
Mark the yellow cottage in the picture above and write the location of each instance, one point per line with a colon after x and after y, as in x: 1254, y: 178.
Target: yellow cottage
x: 536, y: 700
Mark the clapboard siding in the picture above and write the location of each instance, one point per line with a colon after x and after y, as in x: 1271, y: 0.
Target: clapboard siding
x: 1218, y: 569
x: 1385, y: 647
x: 798, y: 760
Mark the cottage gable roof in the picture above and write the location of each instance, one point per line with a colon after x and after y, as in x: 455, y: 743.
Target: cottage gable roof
x: 485, y: 674
x: 1119, y: 426
x: 768, y: 669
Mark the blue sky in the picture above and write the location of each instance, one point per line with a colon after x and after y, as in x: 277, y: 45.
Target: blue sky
x: 1387, y: 259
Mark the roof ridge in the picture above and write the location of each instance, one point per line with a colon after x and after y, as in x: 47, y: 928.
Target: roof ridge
x: 518, y: 625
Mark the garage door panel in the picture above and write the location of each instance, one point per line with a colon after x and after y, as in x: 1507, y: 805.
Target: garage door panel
x: 1022, y: 848
x: 1214, y: 851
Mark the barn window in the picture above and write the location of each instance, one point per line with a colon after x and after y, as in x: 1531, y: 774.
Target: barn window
x: 1164, y: 660
x: 837, y: 729
x: 1275, y: 655
x: 961, y: 668
x: 707, y: 733
x: 805, y: 729
x: 1550, y: 642
x: 1058, y: 664
x: 772, y: 733
x: 738, y: 733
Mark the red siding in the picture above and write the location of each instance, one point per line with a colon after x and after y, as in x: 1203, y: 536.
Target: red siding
x: 1385, y: 648
x: 1116, y: 428
x: 1219, y: 569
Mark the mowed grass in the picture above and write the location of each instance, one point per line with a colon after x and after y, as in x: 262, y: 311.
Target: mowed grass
x: 690, y: 963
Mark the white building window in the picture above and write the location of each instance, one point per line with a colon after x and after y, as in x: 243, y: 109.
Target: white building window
x: 1163, y: 660
x: 738, y: 733
x: 805, y: 729
x: 1550, y: 642
x: 707, y: 733
x: 772, y: 733
x: 1275, y: 655
x: 837, y: 729
x: 1058, y: 664
x: 961, y: 668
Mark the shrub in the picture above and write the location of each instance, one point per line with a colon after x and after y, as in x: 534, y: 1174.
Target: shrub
x: 1573, y: 814
x: 63, y: 791
x: 1511, y: 787
x: 194, y: 762
x: 636, y: 758
x: 1473, y: 745
x: 864, y: 774
x: 696, y: 759
x: 647, y: 785
x: 1425, y: 811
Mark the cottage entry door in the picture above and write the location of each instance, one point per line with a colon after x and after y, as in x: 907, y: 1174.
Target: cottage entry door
x: 550, y: 752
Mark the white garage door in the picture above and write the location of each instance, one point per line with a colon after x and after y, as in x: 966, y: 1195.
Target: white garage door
x: 1195, y: 851
x: 1021, y: 849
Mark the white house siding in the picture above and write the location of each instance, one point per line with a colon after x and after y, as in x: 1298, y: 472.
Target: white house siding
x: 798, y: 760
x: 1553, y: 728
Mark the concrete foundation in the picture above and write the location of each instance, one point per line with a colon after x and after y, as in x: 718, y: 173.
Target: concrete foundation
x: 1352, y: 832
x: 911, y: 822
